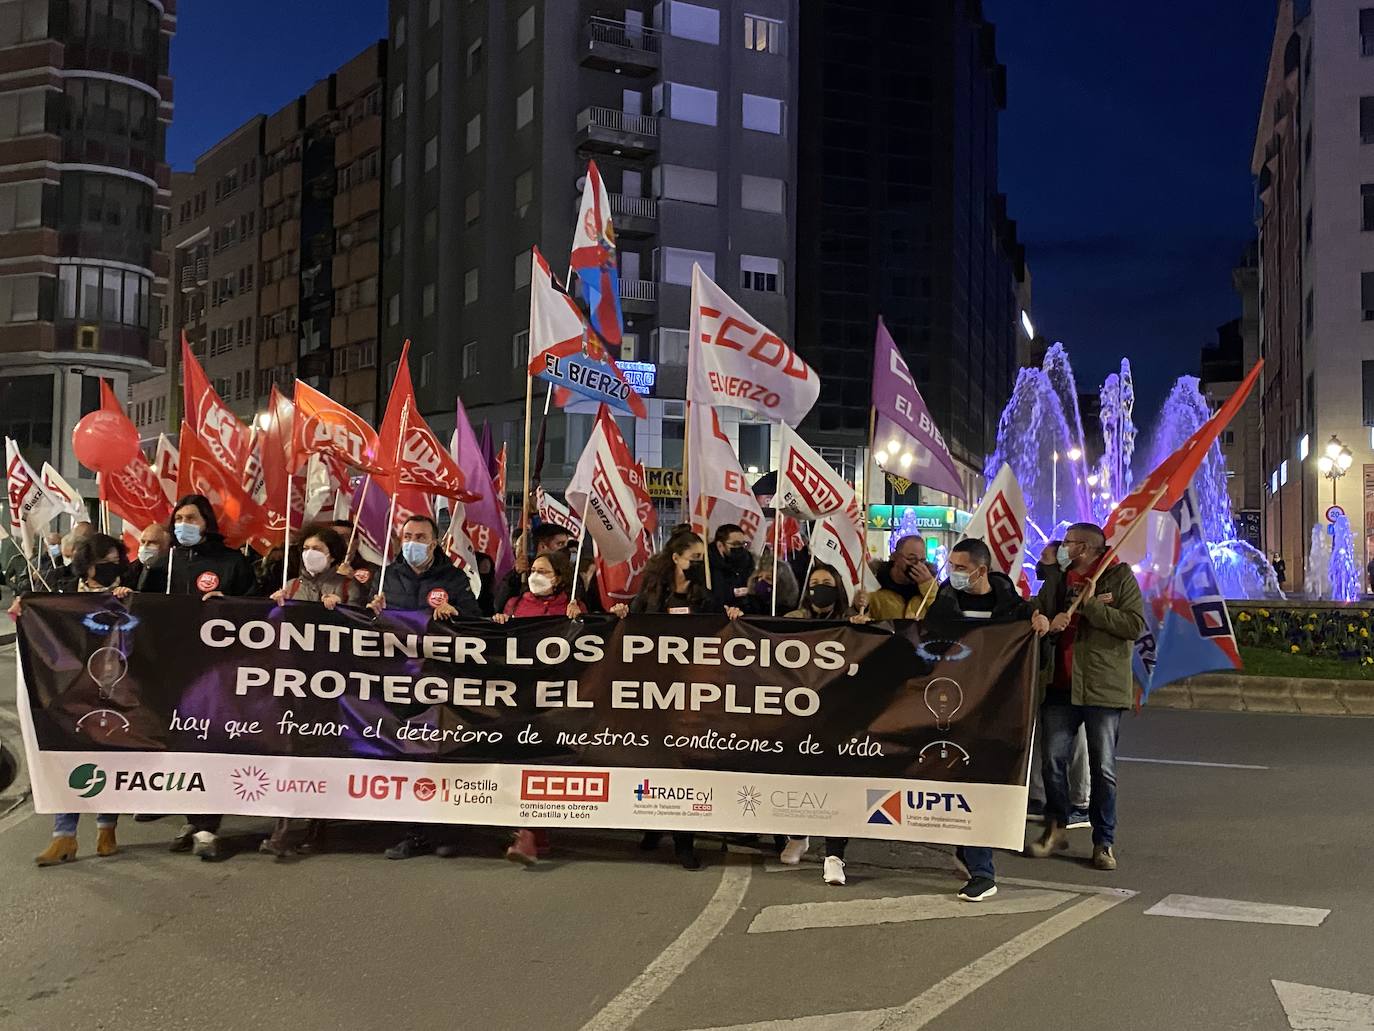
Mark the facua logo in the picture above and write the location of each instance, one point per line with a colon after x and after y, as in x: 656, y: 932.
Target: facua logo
x: 375, y: 785
x: 87, y: 780
x: 562, y: 786
x: 250, y: 783
x: 749, y: 799
x: 425, y: 789
x: 159, y: 780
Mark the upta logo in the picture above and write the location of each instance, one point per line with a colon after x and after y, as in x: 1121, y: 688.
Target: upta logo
x: 560, y: 786
x: 87, y: 780
x: 885, y: 807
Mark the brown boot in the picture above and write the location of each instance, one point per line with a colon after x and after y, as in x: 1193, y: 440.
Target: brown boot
x: 61, y: 849
x: 1055, y: 839
x: 105, y: 844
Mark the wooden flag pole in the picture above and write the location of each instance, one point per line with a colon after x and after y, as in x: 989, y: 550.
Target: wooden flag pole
x: 1106, y: 559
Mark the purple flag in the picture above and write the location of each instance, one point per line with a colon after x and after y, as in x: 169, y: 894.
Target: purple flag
x: 905, y: 441
x: 485, y: 520
x: 488, y: 448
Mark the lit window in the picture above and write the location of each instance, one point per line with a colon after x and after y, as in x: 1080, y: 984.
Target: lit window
x: 760, y: 273
x: 764, y: 35
x: 1283, y: 472
x: 1304, y: 447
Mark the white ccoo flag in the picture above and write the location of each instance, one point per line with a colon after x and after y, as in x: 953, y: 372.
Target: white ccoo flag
x: 1000, y: 522
x: 807, y: 487
x: 839, y: 541
x: 62, y: 492
x: 717, y: 492
x: 603, y: 496
x: 32, y: 509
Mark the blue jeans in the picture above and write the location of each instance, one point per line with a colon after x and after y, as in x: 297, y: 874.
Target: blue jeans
x: 977, y: 860
x: 1061, y: 723
x: 65, y: 823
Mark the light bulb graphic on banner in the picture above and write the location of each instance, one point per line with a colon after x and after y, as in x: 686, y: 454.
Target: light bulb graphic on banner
x: 944, y: 698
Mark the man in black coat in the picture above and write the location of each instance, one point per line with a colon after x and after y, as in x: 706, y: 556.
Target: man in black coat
x: 731, y: 565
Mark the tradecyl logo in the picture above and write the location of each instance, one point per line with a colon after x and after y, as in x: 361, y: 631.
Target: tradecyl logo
x: 564, y: 786
x: 87, y: 780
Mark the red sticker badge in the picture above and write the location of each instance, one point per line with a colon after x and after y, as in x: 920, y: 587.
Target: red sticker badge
x: 207, y: 582
x: 438, y: 597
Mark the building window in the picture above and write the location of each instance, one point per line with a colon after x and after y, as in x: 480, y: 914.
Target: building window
x: 426, y: 367
x: 1367, y: 390
x: 393, y: 310
x: 1367, y: 119
x: 472, y: 208
x: 762, y: 193
x: 763, y: 114
x: 1304, y: 443
x: 396, y: 170
x: 524, y: 29
x: 470, y: 359
x: 432, y: 80
x: 675, y: 264
x: 399, y: 32
x: 754, y: 440
x: 434, y: 6
x: 24, y: 20
x: 470, y: 286
x: 474, y: 133
x: 21, y: 206
x: 1367, y: 295
x: 760, y: 273
x: 692, y: 21
x: 1308, y: 313
x: 678, y: 182
x: 524, y: 108
x: 1283, y: 473
x: 520, y: 349
x: 523, y: 260
x: 474, y: 61
x: 688, y: 103
x: 1367, y: 31
x: 431, y: 153
x: 22, y: 111
x: 19, y: 299
x: 1307, y: 228
x: 1367, y: 207
x: 398, y: 101
x: 670, y: 346
x: 394, y: 243
x: 431, y: 228
x: 524, y: 191
x: 427, y: 299
x: 764, y: 35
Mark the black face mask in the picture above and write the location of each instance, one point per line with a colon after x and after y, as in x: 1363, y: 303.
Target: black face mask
x: 1044, y: 569
x: 738, y: 560
x: 696, y: 572
x: 822, y: 597
x: 107, y: 574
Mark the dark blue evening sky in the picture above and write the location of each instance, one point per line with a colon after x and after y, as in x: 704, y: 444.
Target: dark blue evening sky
x: 1125, y: 149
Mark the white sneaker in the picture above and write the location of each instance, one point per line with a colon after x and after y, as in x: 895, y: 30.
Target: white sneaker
x: 834, y: 870
x: 203, y: 842
x: 793, y: 851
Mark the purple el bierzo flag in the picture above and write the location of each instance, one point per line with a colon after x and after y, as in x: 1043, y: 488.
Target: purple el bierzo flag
x: 906, y: 442
x: 485, y: 519
x: 594, y: 259
x: 487, y: 446
x: 1187, y: 627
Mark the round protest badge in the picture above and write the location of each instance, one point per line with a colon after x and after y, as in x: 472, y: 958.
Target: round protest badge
x: 362, y: 575
x: 207, y: 582
x: 437, y: 597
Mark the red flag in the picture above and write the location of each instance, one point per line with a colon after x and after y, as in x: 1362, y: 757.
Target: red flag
x: 413, y: 456
x: 499, y: 480
x: 134, y: 493
x: 323, y: 426
x: 209, y: 418
x: 241, y: 519
x: 1165, y: 486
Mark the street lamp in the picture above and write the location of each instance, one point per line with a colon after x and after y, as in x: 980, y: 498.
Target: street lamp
x: 1335, y: 462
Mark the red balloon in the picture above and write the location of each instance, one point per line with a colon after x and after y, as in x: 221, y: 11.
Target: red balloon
x: 105, y: 441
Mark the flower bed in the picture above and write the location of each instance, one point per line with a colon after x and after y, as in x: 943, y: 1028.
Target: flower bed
x: 1343, y: 632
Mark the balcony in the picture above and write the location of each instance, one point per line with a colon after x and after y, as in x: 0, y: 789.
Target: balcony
x: 613, y: 46
x: 634, y: 216
x: 188, y: 278
x: 608, y: 131
x: 638, y: 297
x: 202, y: 271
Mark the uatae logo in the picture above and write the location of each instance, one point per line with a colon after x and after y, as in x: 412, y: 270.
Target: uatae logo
x: 885, y: 807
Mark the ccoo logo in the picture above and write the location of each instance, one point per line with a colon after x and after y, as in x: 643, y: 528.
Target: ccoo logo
x: 87, y: 780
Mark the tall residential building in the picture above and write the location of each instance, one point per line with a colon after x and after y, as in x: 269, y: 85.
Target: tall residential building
x: 85, y: 101
x: 1223, y: 366
x: 494, y: 108
x: 899, y: 214
x: 1314, y: 164
x: 275, y: 240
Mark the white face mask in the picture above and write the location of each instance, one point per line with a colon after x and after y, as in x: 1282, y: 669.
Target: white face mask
x: 540, y: 583
x: 147, y: 552
x: 315, y: 562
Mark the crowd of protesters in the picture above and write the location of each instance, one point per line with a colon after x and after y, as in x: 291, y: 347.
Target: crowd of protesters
x: 1086, y: 617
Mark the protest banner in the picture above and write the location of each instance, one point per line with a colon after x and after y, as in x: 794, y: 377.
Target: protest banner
x: 652, y: 722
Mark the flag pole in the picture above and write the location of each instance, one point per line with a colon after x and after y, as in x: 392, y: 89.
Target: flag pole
x: 525, y: 496
x: 777, y: 546
x: 581, y: 540
x: 391, y: 509
x: 286, y: 538
x: 362, y: 500
x: 1111, y: 553
x: 863, y: 514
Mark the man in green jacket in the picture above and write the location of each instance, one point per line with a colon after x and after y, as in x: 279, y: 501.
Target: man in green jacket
x: 1089, y: 682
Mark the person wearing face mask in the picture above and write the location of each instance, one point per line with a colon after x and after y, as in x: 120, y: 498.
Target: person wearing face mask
x: 52, y: 559
x: 153, y: 543
x: 906, y: 582
x: 102, y: 565
x: 731, y: 565
x: 759, y: 596
x: 1089, y: 684
x: 675, y: 582
x: 320, y: 553
x: 547, y: 537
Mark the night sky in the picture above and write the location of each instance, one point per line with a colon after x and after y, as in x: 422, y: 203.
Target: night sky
x: 1125, y: 150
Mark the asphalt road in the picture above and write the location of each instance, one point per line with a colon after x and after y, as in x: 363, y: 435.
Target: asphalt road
x: 602, y: 937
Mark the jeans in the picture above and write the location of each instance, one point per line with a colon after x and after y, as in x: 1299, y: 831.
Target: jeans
x: 64, y: 824
x: 977, y: 860
x: 1078, y: 772
x: 1061, y: 723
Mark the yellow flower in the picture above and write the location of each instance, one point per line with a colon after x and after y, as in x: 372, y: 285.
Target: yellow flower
x: 1264, y: 613
x: 1350, y: 628
x: 1310, y: 627
x: 1293, y: 648
x: 1244, y: 617
x: 1364, y: 631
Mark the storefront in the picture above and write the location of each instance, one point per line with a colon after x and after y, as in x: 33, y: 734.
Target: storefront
x: 939, y: 525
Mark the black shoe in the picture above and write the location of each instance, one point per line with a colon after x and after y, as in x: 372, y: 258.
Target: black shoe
x: 688, y: 860
x: 978, y: 889
x: 409, y: 847
x: 149, y: 817
x: 650, y: 841
x: 1035, y: 810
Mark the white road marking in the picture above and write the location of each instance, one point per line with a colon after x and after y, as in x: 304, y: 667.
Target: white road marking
x: 934, y: 1001
x: 1081, y: 889
x: 1189, y: 762
x: 902, y: 909
x: 1310, y: 1008
x: 658, y: 976
x: 1198, y: 908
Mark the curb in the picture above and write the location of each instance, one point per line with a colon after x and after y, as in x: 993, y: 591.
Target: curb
x: 1307, y: 696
